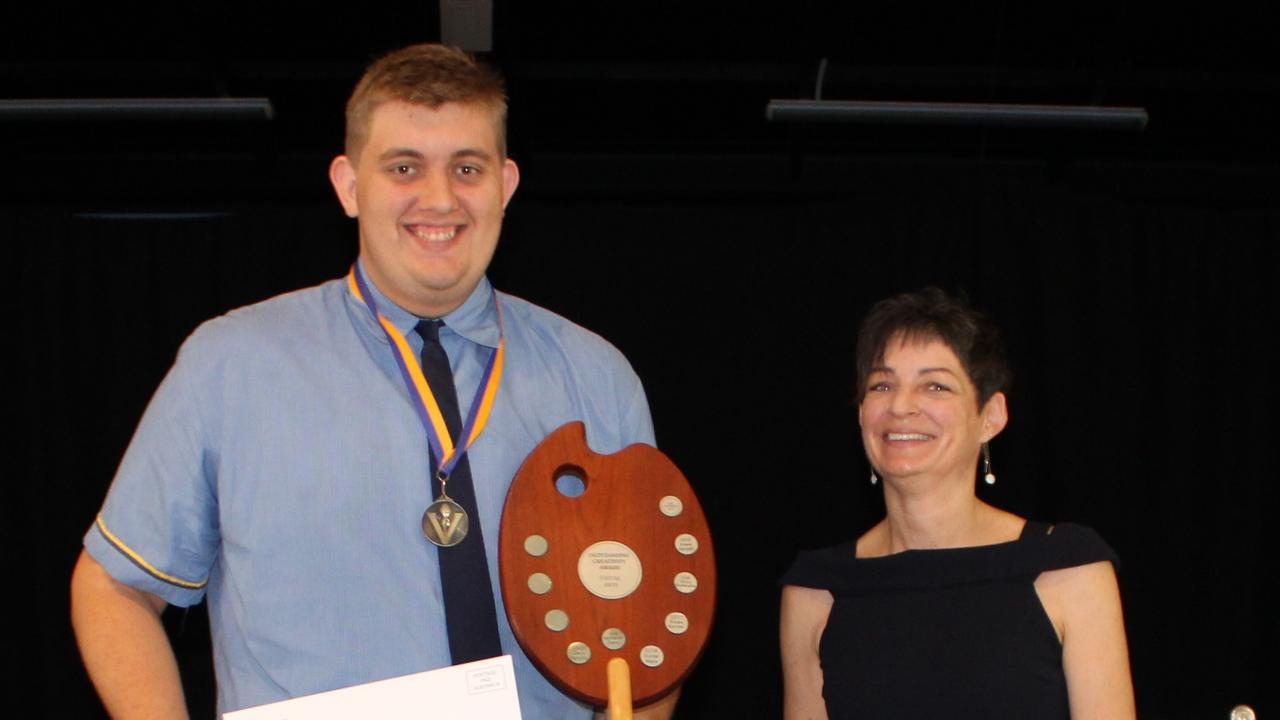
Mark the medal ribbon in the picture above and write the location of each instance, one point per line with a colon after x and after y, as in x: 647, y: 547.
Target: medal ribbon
x: 442, y: 445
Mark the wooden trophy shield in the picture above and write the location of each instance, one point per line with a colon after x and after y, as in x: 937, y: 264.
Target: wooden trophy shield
x: 625, y: 569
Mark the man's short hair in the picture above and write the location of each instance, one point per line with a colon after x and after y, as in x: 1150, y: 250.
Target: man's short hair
x: 429, y: 75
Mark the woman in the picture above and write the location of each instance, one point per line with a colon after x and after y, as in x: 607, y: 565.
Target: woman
x: 948, y: 607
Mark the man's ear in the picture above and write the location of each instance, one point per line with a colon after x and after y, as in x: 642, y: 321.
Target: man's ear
x: 995, y: 415
x: 510, y: 179
x: 342, y: 173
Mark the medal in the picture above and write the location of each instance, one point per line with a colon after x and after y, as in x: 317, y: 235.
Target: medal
x: 445, y: 523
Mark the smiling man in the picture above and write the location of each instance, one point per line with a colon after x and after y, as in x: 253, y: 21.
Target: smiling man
x: 282, y: 469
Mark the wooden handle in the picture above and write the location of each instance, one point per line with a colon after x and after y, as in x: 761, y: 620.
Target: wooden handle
x: 619, y: 689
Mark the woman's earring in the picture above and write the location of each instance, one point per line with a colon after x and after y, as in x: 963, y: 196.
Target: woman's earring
x: 987, y: 475
x: 873, y: 476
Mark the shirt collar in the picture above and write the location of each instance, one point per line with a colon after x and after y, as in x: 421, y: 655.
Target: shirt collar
x: 475, y: 319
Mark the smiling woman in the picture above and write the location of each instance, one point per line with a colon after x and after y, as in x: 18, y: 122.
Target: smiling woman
x: 948, y: 607
x: 921, y: 416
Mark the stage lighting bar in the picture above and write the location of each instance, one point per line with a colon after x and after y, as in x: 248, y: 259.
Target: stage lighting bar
x: 1078, y: 117
x: 138, y: 109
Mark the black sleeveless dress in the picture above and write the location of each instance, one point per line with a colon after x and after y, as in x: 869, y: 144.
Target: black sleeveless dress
x: 955, y: 633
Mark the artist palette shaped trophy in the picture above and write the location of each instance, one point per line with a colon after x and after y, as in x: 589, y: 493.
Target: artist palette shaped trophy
x: 623, y: 570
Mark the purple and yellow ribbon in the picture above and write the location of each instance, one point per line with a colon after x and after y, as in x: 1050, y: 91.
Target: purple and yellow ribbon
x: 442, y: 444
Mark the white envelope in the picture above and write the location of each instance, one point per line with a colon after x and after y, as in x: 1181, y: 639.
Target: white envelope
x: 482, y: 689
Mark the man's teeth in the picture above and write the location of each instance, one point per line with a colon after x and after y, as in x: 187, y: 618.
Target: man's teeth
x: 435, y: 235
x: 906, y: 436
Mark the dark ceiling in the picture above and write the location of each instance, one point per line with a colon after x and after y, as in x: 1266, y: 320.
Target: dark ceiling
x: 676, y: 80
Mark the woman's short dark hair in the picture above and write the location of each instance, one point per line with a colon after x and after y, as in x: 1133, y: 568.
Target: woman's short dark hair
x: 932, y: 314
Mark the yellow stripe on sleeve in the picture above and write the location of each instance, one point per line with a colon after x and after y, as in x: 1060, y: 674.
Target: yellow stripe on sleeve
x: 142, y: 563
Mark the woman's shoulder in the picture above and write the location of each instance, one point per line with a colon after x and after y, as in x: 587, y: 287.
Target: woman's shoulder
x: 1040, y: 548
x: 1062, y: 545
x: 822, y: 568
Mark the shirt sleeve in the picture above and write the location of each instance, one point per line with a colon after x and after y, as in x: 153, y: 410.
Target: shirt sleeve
x: 637, y: 422
x: 157, y: 530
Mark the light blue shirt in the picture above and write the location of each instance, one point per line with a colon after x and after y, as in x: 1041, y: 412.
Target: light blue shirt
x: 280, y: 471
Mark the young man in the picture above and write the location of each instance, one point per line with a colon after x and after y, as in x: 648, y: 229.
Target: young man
x: 281, y: 471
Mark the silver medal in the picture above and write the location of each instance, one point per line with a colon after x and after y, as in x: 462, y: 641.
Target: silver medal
x: 445, y: 523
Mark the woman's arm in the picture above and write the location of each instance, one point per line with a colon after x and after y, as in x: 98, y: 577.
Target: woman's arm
x: 804, y: 617
x: 1084, y: 604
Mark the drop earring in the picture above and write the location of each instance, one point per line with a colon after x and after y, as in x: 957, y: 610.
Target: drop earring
x: 874, y: 479
x: 987, y: 476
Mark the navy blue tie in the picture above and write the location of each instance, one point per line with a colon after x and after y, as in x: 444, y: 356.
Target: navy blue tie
x: 469, y: 610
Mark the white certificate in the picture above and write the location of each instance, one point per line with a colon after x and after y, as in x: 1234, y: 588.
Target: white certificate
x: 481, y: 689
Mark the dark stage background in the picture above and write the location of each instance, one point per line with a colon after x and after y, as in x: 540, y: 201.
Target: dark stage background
x: 730, y: 260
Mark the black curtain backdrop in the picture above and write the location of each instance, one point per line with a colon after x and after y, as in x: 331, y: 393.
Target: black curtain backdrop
x: 1136, y: 303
